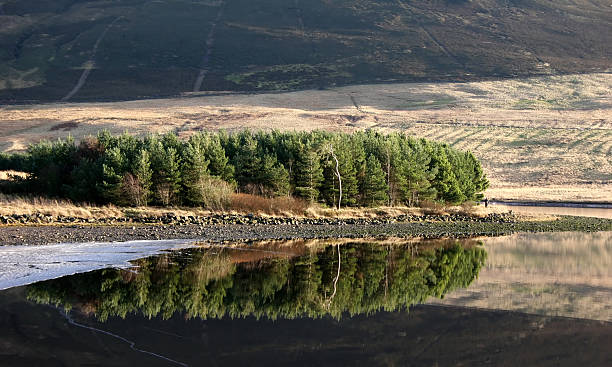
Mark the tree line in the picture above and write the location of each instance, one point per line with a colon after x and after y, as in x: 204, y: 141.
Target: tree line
x: 339, y: 169
x: 357, y: 278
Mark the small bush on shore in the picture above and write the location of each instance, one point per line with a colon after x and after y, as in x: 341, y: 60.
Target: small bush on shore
x: 247, y: 203
x: 215, y: 194
x: 431, y: 207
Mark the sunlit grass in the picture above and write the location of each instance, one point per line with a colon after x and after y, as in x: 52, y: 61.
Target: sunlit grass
x: 563, y: 152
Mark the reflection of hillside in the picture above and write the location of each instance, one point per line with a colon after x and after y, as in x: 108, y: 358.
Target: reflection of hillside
x: 556, y: 274
x: 271, y: 281
x: 566, y: 254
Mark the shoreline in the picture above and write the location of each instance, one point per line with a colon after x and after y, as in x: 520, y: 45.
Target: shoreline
x: 555, y: 204
x: 223, y: 233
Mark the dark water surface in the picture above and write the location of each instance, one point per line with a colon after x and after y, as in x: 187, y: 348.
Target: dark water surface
x: 530, y: 299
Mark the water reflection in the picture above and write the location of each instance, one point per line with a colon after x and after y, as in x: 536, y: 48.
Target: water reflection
x: 553, y: 274
x: 605, y: 212
x: 272, y: 280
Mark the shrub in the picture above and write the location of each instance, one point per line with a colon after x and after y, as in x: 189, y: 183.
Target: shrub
x: 248, y: 203
x: 215, y: 193
x: 432, y: 207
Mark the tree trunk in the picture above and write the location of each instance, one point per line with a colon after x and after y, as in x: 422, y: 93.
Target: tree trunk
x: 331, y: 152
x: 389, y: 176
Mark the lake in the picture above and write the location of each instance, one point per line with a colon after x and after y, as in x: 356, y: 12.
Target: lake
x: 585, y: 210
x: 532, y: 299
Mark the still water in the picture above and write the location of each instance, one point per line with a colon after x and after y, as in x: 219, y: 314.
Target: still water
x: 531, y: 299
x: 603, y: 211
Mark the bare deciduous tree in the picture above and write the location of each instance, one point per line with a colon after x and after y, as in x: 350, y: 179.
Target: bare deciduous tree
x: 164, y: 193
x: 133, y: 190
x: 330, y: 149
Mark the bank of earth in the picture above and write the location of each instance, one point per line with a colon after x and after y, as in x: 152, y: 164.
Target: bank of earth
x: 219, y: 228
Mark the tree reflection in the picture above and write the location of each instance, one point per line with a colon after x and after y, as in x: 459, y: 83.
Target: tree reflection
x: 349, y: 278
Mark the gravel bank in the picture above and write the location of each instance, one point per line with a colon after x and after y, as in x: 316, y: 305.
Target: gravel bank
x: 38, y: 235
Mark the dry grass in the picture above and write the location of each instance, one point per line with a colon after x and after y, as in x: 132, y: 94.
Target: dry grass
x: 9, y: 175
x: 287, y: 206
x: 241, y: 204
x: 545, y: 138
x: 22, y: 205
x: 559, y: 193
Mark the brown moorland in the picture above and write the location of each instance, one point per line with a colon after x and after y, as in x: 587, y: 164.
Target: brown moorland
x: 540, y: 138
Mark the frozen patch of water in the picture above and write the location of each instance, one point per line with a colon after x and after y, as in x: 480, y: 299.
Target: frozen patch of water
x: 22, y: 265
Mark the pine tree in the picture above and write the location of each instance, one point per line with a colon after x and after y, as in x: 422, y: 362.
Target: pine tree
x: 165, y: 164
x: 414, y: 172
x: 316, y: 166
x: 353, y: 158
x: 194, y: 173
x: 308, y: 173
x: 446, y: 184
x: 273, y: 177
x: 84, y: 182
x: 143, y: 174
x: 247, y: 162
x: 375, y: 188
x: 113, y: 169
x: 218, y: 161
x: 479, y: 180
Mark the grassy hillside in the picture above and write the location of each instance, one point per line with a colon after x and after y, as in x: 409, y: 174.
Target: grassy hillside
x: 124, y: 49
x: 542, y: 138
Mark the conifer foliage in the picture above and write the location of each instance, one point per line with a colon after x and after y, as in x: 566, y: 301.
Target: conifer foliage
x: 374, y: 186
x: 360, y: 169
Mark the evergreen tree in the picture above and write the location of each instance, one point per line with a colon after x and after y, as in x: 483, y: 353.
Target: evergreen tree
x: 354, y: 157
x: 331, y: 167
x: 414, y: 172
x: 308, y: 173
x: 50, y: 166
x: 195, y: 172
x: 476, y: 175
x: 218, y: 161
x: 375, y: 188
x: 273, y: 177
x: 166, y: 177
x: 83, y: 182
x: 87, y: 172
x: 113, y: 170
x: 143, y: 175
x: 446, y: 184
x: 247, y: 162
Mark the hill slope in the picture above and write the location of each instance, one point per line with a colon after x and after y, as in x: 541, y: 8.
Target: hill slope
x: 52, y: 50
x: 540, y: 138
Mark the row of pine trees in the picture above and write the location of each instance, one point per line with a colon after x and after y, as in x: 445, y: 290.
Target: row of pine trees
x: 339, y: 169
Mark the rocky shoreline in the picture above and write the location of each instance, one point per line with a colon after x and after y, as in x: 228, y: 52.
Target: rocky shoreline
x: 233, y: 228
x: 250, y: 219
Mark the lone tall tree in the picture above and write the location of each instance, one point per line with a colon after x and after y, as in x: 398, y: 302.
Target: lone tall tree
x: 330, y: 149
